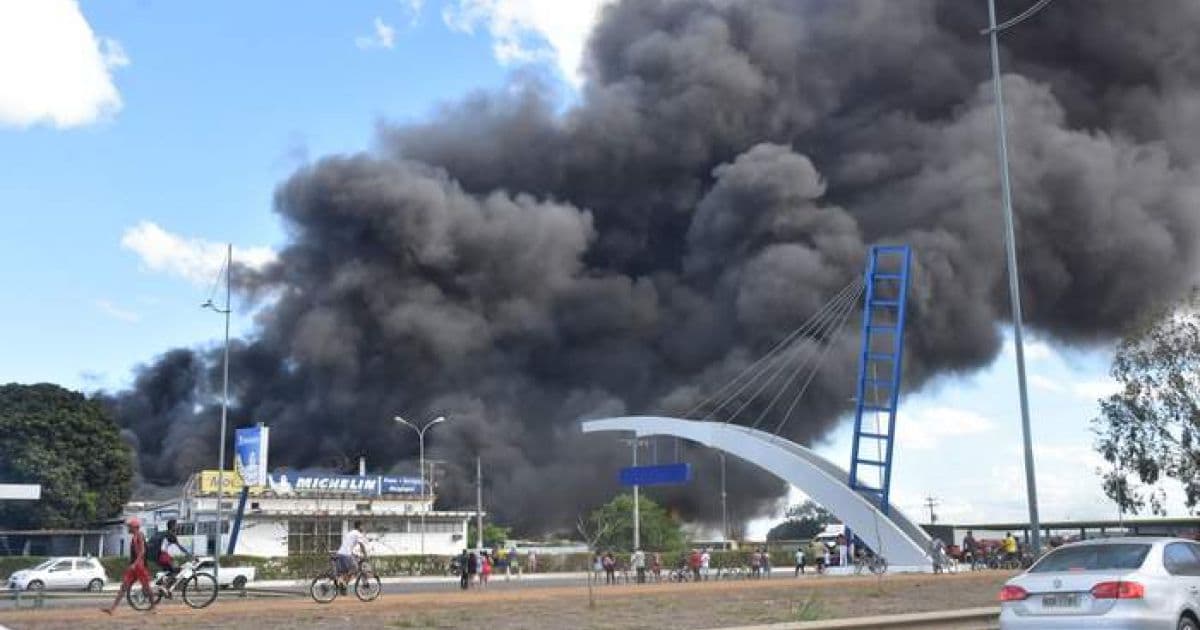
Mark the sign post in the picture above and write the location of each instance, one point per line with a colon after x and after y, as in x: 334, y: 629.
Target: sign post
x: 20, y: 491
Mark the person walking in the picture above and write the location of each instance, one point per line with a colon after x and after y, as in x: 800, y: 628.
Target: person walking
x: 755, y: 564
x: 969, y: 547
x: 464, y: 570
x: 638, y: 560
x: 472, y: 566
x: 136, y: 571
x: 533, y: 562
x: 819, y: 553
x: 766, y: 562
x: 656, y: 566
x: 705, y: 563
x: 694, y: 564
x: 485, y: 569
x: 799, y: 561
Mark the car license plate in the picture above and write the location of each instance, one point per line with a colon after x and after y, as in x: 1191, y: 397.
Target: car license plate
x: 1064, y: 600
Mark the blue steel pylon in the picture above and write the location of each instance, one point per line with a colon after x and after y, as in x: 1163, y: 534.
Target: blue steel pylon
x: 879, y: 370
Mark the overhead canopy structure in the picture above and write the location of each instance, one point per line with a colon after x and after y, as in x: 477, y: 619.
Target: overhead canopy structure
x: 891, y: 535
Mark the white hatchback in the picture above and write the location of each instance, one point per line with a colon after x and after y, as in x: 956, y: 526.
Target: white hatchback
x: 61, y: 573
x: 1127, y: 583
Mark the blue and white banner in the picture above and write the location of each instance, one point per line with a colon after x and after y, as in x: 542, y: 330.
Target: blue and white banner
x: 250, y: 455
x: 401, y: 485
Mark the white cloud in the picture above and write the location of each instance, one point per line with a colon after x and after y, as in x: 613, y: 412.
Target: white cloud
x: 383, y: 37
x: 1045, y: 383
x: 928, y: 428
x: 530, y: 30
x: 53, y: 68
x: 116, y: 312
x: 193, y: 259
x: 1095, y: 389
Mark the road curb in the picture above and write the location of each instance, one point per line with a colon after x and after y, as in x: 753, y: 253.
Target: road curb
x: 967, y: 619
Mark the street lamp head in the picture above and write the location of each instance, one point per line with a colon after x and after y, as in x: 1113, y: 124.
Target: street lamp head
x: 403, y: 421
x: 437, y: 420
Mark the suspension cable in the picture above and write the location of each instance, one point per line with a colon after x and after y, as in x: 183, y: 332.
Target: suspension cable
x: 828, y: 346
x: 803, y: 364
x: 818, y: 334
x: 771, y: 355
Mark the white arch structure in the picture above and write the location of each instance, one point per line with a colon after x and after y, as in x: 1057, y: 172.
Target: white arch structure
x: 892, y: 535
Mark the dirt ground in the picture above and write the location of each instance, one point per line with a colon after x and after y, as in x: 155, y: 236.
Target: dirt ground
x: 704, y: 605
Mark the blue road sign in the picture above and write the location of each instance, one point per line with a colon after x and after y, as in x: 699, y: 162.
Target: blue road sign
x: 656, y: 475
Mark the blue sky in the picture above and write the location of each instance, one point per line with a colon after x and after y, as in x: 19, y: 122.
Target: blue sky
x: 114, y: 198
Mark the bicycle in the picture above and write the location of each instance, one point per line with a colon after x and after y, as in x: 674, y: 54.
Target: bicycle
x: 326, y: 587
x: 871, y: 562
x: 198, y: 589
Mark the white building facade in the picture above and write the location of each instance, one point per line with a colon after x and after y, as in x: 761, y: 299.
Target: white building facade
x: 307, y: 515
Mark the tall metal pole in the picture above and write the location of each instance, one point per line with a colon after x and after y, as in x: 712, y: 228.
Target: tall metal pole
x: 478, y: 508
x: 421, y: 442
x: 224, y: 414
x: 1014, y: 291
x: 724, y: 512
x: 424, y: 497
x: 637, y: 517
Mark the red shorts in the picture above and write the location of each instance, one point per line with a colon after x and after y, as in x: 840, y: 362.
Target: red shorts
x: 136, y: 572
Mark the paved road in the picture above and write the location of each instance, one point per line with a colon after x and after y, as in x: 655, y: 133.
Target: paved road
x: 292, y: 588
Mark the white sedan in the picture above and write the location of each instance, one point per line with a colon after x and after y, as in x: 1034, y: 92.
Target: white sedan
x: 1127, y: 583
x: 61, y: 573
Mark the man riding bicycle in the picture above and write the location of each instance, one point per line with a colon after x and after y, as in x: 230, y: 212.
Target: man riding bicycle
x: 354, y: 543
x: 159, y: 549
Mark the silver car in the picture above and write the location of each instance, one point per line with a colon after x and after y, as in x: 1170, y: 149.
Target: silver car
x: 1128, y: 583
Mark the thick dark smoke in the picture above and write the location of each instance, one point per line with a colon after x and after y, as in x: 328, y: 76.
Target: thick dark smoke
x: 516, y: 267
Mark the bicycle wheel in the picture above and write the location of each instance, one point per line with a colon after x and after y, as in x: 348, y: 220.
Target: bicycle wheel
x: 879, y: 566
x: 324, y: 588
x: 367, y: 587
x: 137, y: 599
x: 199, y: 590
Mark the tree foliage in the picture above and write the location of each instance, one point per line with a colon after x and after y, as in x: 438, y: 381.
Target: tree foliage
x: 493, y: 535
x: 803, y: 521
x: 1150, y: 429
x: 68, y: 444
x: 659, y: 531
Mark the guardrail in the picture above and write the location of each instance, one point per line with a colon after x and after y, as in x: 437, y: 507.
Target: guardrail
x: 968, y: 619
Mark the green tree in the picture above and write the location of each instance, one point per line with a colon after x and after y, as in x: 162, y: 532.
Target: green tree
x: 803, y: 521
x: 68, y: 444
x: 493, y: 535
x: 1150, y: 429
x: 659, y: 532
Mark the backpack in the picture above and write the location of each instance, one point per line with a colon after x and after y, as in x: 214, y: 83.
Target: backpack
x: 155, y: 545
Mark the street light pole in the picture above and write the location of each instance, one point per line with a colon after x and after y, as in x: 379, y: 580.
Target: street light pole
x: 224, y: 405
x: 421, y: 441
x: 724, y: 511
x: 637, y: 518
x: 1014, y: 292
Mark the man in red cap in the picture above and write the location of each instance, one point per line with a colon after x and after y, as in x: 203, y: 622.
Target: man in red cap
x: 137, y: 568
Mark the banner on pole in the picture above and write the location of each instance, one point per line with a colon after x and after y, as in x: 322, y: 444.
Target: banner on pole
x: 250, y: 455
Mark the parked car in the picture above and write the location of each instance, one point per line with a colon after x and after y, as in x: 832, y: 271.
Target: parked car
x: 235, y: 577
x: 61, y: 574
x: 1135, y: 583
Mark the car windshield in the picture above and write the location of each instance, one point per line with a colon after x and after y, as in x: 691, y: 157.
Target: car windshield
x: 45, y: 565
x: 1114, y: 557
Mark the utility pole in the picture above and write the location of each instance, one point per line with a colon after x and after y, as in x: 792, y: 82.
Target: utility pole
x: 637, y: 518
x: 478, y: 507
x: 224, y: 405
x: 724, y: 511
x: 1014, y: 290
x: 932, y: 502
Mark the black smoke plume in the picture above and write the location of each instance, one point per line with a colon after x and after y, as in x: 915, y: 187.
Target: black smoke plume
x: 516, y: 265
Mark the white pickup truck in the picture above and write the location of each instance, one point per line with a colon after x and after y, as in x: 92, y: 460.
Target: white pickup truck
x: 235, y: 577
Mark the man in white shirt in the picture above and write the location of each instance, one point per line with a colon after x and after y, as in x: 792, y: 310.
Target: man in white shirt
x: 799, y: 560
x: 354, y: 543
x: 638, y: 560
x: 705, y: 561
